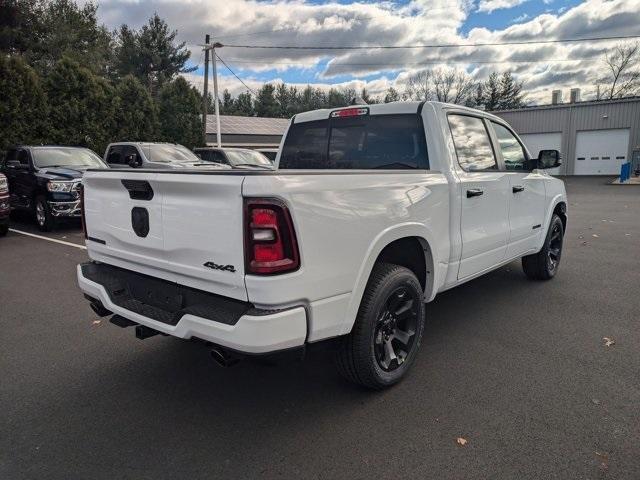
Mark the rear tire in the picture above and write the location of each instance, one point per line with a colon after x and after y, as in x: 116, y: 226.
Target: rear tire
x: 44, y: 219
x: 386, y: 335
x: 544, y: 264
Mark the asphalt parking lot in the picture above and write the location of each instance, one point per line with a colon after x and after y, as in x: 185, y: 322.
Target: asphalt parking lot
x: 518, y: 369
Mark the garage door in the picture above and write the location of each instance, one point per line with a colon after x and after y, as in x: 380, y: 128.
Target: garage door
x: 601, y: 152
x: 543, y: 141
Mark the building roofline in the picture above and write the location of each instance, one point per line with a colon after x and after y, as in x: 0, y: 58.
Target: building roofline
x: 570, y: 105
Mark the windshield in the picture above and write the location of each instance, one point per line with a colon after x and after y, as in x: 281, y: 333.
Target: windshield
x: 167, y: 153
x: 247, y: 157
x: 66, y: 157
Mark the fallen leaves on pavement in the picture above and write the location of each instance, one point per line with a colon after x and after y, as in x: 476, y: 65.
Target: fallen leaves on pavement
x: 461, y: 441
x: 608, y: 341
x: 97, y: 322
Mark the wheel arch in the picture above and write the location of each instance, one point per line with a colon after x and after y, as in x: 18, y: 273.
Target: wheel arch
x: 409, y: 245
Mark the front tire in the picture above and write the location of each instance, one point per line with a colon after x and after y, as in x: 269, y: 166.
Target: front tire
x: 385, y: 338
x: 544, y: 264
x: 45, y: 220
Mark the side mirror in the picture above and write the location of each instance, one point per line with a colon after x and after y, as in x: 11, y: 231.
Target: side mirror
x: 16, y: 165
x: 549, y: 159
x: 134, y: 161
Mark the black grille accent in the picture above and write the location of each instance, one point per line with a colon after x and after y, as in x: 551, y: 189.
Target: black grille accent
x: 161, y: 300
x: 138, y: 189
x: 140, y: 221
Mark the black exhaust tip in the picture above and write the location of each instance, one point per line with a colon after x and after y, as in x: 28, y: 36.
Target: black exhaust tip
x: 223, y: 357
x: 122, y: 322
x: 98, y: 308
x: 143, y: 332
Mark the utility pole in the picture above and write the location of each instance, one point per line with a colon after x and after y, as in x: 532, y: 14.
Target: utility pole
x: 215, y: 93
x: 205, y: 96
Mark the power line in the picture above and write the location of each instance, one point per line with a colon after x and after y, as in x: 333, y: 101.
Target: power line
x: 451, y: 45
x: 234, y: 74
x: 363, y: 64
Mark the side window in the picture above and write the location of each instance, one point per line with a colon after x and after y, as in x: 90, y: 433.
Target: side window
x: 218, y: 157
x: 129, y: 150
x: 115, y: 155
x: 512, y: 151
x: 23, y: 157
x: 472, y: 143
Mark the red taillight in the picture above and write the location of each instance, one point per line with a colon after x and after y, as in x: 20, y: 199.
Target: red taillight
x: 82, y: 219
x: 270, y: 241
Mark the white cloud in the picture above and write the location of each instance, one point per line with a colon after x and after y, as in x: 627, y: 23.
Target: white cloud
x: 284, y: 22
x: 489, y: 6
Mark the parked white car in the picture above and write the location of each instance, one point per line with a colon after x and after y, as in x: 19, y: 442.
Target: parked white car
x: 372, y: 212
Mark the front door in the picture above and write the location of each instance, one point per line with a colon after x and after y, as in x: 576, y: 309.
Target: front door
x: 20, y: 178
x: 484, y: 195
x: 527, y: 193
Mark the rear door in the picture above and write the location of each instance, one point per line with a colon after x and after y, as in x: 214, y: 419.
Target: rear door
x: 483, y: 191
x: 178, y: 227
x: 527, y: 197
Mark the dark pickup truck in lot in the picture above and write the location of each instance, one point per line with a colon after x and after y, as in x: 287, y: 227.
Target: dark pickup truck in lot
x: 4, y: 206
x: 45, y: 180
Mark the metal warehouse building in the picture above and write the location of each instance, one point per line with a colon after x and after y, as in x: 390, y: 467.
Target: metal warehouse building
x: 247, y: 132
x: 594, y: 138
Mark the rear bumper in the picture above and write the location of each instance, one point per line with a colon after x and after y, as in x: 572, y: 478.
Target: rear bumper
x: 254, y: 332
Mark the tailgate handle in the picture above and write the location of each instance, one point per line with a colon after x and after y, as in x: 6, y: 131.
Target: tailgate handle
x: 138, y: 189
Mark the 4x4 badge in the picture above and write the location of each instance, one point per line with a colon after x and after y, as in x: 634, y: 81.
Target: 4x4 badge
x: 224, y: 268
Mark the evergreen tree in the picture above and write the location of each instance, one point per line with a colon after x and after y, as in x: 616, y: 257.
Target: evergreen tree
x: 227, y: 106
x: 511, y: 95
x: 45, y: 31
x: 244, y: 105
x: 392, y: 95
x: 265, y: 103
x: 136, y: 118
x: 284, y: 99
x: 151, y: 54
x: 81, y: 106
x: 491, y: 92
x: 336, y: 98
x: 179, y: 106
x: 23, y: 106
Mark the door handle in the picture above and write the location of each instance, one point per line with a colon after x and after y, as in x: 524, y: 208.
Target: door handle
x: 517, y: 188
x: 474, y: 192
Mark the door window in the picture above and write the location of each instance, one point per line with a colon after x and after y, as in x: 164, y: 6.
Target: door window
x: 115, y: 155
x: 23, y: 157
x: 472, y: 143
x: 512, y: 151
x: 128, y: 150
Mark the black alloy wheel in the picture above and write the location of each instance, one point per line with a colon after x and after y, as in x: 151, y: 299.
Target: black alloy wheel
x: 396, y: 329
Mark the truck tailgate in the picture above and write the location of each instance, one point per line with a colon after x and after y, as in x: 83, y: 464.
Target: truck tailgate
x: 182, y: 227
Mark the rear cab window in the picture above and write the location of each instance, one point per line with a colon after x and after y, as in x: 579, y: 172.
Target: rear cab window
x: 361, y: 142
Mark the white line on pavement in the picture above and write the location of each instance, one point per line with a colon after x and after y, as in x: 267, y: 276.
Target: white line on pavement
x: 62, y: 242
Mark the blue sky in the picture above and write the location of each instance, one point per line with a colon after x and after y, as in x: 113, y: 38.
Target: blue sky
x: 403, y: 22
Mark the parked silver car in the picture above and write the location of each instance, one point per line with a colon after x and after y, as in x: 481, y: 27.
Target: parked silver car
x: 150, y: 155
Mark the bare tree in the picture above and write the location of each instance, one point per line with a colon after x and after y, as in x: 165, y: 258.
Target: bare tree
x: 623, y: 77
x: 443, y: 85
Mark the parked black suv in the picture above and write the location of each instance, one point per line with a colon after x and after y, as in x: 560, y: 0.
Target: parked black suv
x: 46, y: 180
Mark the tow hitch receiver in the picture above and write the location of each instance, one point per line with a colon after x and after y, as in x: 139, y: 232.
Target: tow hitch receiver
x: 121, y: 322
x: 143, y: 332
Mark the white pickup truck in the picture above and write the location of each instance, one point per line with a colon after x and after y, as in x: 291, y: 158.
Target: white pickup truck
x: 372, y: 211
